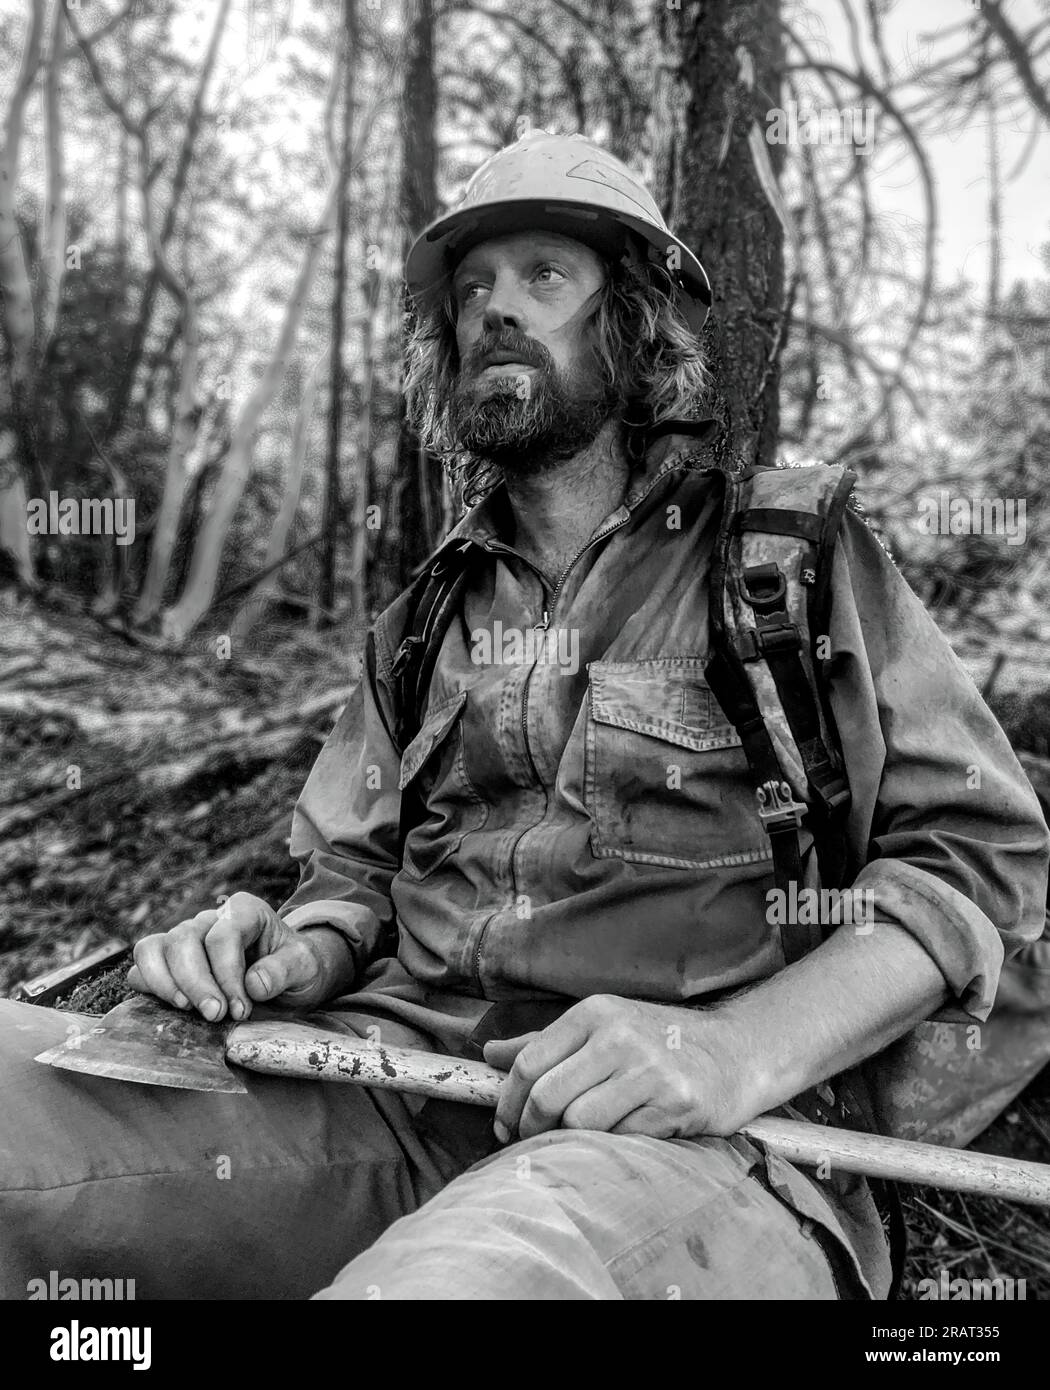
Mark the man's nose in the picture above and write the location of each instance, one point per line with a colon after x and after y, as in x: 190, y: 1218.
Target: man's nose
x: 504, y: 307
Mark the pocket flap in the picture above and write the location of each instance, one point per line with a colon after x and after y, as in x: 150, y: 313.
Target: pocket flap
x: 666, y: 699
x: 436, y: 726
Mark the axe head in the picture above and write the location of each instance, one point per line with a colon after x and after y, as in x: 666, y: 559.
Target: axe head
x: 144, y: 1040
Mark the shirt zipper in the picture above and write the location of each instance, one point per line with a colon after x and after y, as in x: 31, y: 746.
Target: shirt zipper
x: 539, y: 627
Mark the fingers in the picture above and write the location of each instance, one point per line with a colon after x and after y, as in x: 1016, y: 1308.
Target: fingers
x: 190, y: 968
x: 614, y: 1107
x: 200, y: 963
x: 562, y: 1089
x: 166, y: 965
x: 292, y: 969
x: 647, y: 1119
x: 539, y: 1055
x: 157, y: 980
x: 240, y: 922
x: 501, y: 1052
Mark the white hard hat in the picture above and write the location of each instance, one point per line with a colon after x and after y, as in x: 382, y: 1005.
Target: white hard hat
x: 563, y: 183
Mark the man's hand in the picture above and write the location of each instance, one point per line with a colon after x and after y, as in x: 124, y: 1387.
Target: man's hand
x: 621, y: 1066
x: 203, y: 963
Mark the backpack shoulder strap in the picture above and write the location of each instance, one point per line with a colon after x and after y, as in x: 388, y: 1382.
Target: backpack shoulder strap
x: 769, y: 605
x: 432, y: 601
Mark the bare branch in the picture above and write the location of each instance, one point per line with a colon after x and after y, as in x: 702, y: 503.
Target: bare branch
x: 103, y: 30
x: 918, y: 319
x: 1018, y: 55
x: 504, y: 17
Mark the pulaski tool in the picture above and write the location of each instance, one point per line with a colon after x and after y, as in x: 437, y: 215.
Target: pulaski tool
x: 147, y: 1042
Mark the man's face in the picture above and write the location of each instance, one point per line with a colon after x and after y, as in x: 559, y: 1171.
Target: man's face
x: 529, y: 390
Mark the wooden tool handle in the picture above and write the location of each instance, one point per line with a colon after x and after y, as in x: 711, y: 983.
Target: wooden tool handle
x: 903, y: 1160
x: 296, y: 1049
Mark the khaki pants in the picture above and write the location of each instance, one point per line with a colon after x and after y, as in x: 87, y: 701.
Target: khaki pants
x: 305, y: 1186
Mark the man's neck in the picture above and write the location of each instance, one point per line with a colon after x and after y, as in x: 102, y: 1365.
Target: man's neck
x: 556, y: 510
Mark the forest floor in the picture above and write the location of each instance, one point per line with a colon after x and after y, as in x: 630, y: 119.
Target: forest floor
x: 138, y: 787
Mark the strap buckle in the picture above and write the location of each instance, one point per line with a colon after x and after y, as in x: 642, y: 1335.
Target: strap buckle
x: 764, y: 587
x: 777, y: 808
x: 404, y: 654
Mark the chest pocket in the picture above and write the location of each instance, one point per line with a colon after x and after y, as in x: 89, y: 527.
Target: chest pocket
x: 665, y: 777
x: 432, y: 767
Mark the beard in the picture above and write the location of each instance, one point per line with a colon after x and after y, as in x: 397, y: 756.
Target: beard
x: 525, y: 423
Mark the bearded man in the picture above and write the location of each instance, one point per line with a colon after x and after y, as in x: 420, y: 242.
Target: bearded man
x: 558, y: 865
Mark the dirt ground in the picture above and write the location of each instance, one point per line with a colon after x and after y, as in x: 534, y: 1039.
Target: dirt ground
x: 137, y: 788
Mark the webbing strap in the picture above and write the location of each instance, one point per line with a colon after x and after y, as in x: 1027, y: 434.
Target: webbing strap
x: 780, y: 814
x: 778, y: 641
x: 414, y: 664
x: 779, y: 521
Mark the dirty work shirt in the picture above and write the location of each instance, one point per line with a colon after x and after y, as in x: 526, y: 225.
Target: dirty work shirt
x: 589, y: 823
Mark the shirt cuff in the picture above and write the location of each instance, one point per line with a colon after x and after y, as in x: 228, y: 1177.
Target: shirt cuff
x: 957, y: 934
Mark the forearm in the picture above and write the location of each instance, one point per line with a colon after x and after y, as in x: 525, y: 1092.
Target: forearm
x: 842, y: 1003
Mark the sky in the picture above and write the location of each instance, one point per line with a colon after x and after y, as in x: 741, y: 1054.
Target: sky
x: 958, y: 155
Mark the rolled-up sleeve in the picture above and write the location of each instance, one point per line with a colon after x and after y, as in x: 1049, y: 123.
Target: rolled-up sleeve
x: 953, y: 842
x: 345, y: 831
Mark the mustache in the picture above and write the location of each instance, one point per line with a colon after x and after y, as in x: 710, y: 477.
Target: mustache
x: 525, y: 350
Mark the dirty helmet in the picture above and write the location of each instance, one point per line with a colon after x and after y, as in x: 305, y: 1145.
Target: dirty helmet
x: 559, y: 183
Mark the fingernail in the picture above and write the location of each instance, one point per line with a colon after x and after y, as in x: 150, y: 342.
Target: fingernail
x: 211, y: 1009
x: 181, y: 1002
x: 237, y: 1009
x: 501, y: 1131
x: 262, y: 980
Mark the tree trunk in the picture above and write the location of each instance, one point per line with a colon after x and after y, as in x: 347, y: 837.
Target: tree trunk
x: 255, y: 604
x: 725, y: 57
x: 421, y: 508
x: 126, y: 381
x: 53, y: 239
x: 16, y: 305
x: 180, y: 620
x: 359, y: 596
x: 176, y: 475
x: 185, y: 414
x: 995, y: 207
x: 330, y: 505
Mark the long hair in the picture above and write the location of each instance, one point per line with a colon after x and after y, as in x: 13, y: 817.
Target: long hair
x: 648, y: 356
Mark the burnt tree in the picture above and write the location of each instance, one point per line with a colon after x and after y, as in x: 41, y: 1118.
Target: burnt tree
x: 719, y: 64
x: 419, y: 474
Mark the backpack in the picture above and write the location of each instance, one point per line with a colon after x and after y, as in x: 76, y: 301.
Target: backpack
x: 770, y: 595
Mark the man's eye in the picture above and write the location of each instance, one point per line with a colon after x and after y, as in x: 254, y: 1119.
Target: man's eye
x: 547, y: 272
x: 466, y: 292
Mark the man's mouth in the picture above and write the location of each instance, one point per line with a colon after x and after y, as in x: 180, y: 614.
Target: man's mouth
x: 503, y: 361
